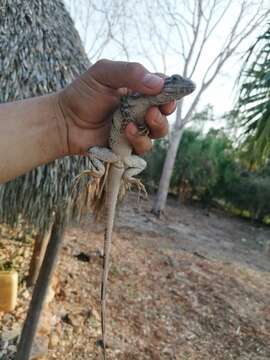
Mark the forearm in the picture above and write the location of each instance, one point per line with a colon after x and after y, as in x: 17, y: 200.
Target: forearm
x: 31, y: 134
x: 39, y: 130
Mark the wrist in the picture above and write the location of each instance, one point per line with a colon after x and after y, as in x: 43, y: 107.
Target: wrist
x: 61, y: 125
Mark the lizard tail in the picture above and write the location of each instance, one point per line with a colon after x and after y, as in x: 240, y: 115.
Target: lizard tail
x: 112, y: 191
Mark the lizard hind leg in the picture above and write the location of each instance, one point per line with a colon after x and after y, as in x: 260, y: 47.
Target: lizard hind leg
x: 105, y: 157
x: 135, y: 165
x: 100, y: 156
x: 131, y: 181
x: 95, y: 172
x: 98, y: 193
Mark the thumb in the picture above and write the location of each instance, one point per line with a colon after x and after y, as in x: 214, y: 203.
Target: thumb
x: 119, y: 74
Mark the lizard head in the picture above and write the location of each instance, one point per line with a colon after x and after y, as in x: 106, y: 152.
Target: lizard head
x: 177, y: 86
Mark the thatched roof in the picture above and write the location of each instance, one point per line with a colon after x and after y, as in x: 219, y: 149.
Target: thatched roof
x: 40, y: 52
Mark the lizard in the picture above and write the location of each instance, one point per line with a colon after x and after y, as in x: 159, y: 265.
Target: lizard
x: 113, y: 169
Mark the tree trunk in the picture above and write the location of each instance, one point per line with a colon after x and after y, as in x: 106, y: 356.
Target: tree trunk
x: 40, y: 247
x: 164, y: 184
x: 41, y: 288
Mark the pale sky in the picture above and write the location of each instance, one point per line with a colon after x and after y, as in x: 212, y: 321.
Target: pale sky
x: 221, y: 93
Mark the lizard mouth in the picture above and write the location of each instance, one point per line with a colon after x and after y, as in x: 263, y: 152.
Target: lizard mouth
x: 190, y: 88
x: 184, y: 89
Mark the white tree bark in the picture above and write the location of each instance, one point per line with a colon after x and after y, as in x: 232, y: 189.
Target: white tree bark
x: 164, y: 184
x: 199, y: 30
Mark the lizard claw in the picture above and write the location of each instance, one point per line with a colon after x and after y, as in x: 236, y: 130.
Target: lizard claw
x: 129, y: 182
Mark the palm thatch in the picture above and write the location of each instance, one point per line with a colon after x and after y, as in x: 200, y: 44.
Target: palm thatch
x: 40, y: 52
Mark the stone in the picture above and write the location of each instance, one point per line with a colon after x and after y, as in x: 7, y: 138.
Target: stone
x: 74, y: 320
x: 12, y: 348
x: 54, y: 340
x: 50, y: 295
x: 171, y: 261
x: 44, y: 327
x: 7, y: 318
x: 82, y: 257
x: 11, y: 334
x: 95, y: 314
x: 26, y: 294
x: 40, y: 347
x: 3, y: 345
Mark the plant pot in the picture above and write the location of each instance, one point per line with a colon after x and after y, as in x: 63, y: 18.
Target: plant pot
x: 8, y: 290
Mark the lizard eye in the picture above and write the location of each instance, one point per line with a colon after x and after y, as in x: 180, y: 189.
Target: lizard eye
x: 176, y: 78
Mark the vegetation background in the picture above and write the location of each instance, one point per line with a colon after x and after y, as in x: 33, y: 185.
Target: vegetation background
x: 193, y: 284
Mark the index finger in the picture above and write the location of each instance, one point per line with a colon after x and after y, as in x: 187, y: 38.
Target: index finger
x: 168, y: 108
x: 121, y: 74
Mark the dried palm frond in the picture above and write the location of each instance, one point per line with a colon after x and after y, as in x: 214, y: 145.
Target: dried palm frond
x: 40, y: 52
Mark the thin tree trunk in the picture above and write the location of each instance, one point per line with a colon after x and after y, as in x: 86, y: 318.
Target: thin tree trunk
x: 40, y: 289
x: 164, y: 184
x: 40, y: 247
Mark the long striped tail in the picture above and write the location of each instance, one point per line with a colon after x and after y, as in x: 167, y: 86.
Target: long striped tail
x: 112, y: 191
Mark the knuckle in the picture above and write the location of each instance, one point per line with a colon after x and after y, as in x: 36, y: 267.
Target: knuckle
x: 165, y: 126
x: 143, y: 146
x: 159, y: 128
x: 100, y: 63
x: 158, y: 119
x: 163, y: 76
x: 134, y: 69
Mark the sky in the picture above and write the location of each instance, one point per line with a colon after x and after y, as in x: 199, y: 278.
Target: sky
x: 91, y: 25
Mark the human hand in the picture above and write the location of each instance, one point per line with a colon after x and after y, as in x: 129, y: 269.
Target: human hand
x: 88, y: 103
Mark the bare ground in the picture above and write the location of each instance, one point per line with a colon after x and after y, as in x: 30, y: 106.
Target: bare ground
x: 193, y: 285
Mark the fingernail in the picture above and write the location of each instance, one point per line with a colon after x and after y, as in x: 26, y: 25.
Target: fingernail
x: 152, y: 80
x: 122, y: 91
x: 132, y: 129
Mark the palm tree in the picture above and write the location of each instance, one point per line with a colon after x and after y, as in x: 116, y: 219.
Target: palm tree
x: 41, y: 52
x: 254, y: 100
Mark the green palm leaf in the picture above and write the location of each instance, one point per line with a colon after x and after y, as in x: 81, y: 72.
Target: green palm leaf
x: 254, y: 99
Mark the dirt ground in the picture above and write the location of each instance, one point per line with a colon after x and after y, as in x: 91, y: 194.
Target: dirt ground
x: 194, y: 285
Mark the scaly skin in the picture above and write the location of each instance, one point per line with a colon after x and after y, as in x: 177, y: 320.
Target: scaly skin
x: 122, y: 166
